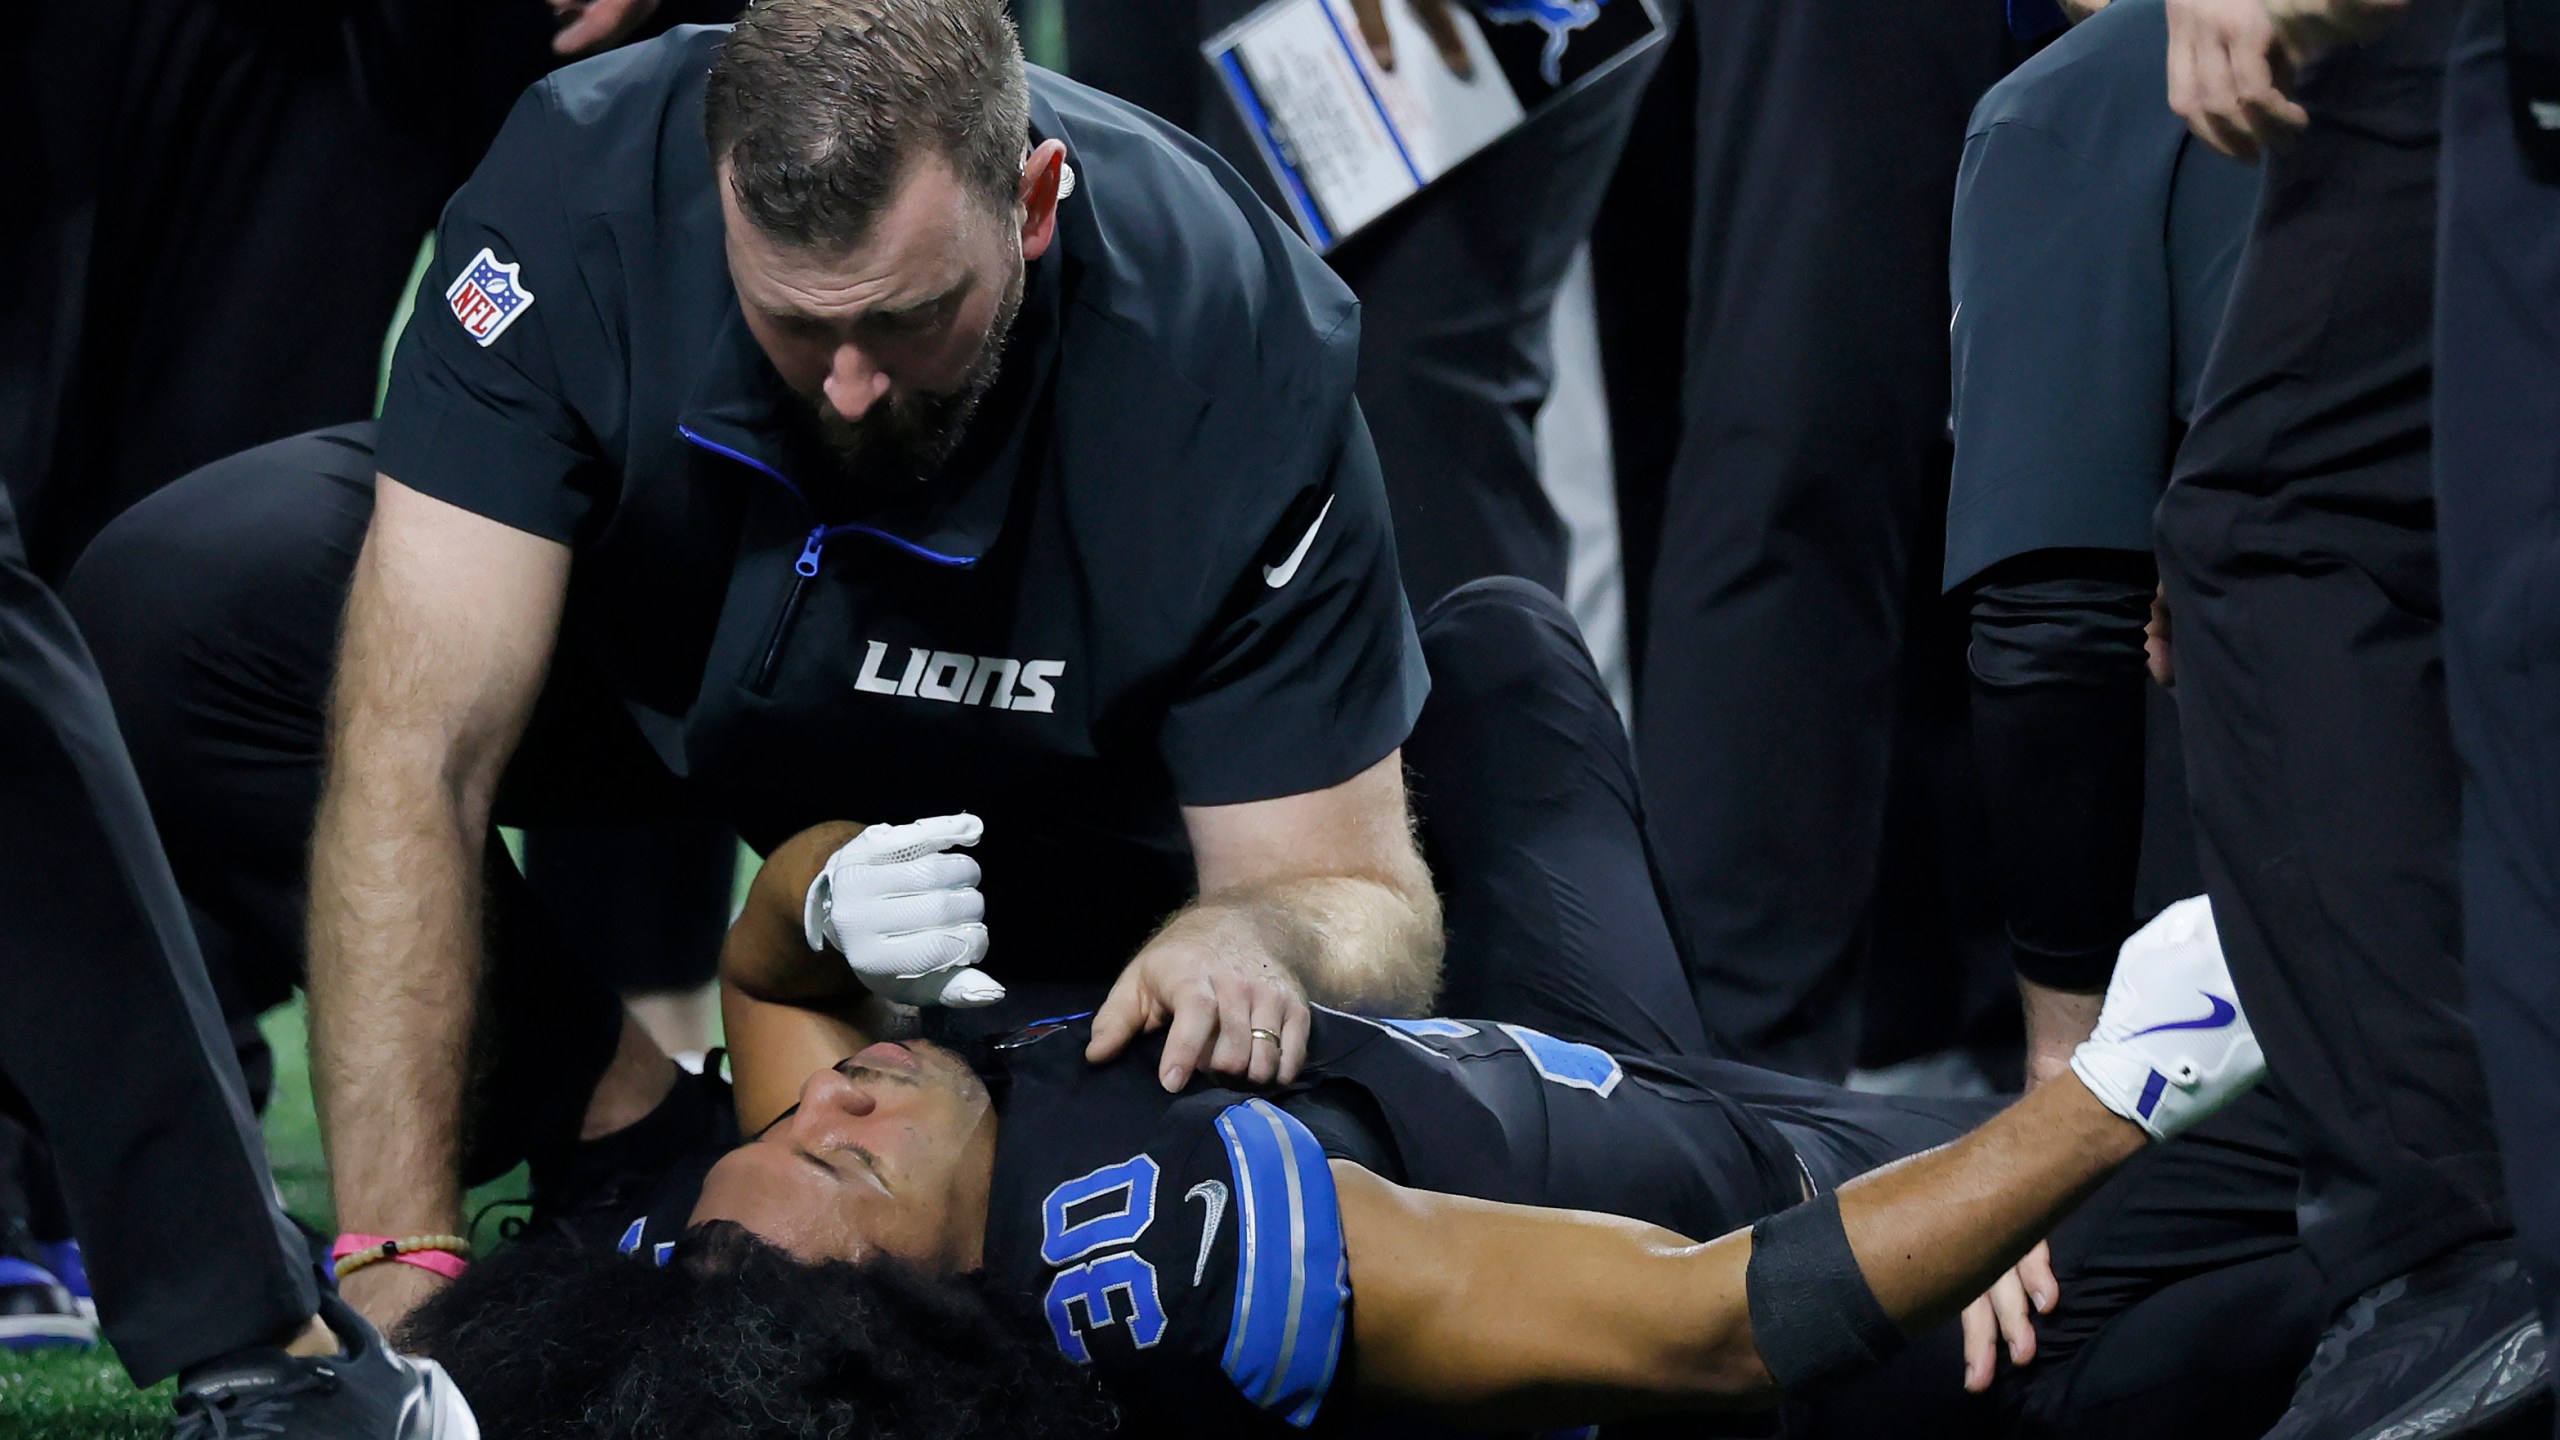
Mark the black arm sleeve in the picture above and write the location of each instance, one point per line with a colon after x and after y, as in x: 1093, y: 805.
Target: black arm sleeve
x: 2057, y: 663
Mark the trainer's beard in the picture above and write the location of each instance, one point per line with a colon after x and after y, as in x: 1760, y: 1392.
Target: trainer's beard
x: 905, y: 440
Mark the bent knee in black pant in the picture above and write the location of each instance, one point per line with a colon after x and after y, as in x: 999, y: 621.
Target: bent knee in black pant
x: 1531, y: 822
x: 213, y: 610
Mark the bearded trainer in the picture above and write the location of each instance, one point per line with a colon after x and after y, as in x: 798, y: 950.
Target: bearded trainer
x: 829, y: 416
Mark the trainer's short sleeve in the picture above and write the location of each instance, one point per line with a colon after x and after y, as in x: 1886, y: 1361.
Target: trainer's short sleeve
x: 2063, y: 415
x: 1312, y: 672
x: 1207, y: 1269
x: 480, y: 411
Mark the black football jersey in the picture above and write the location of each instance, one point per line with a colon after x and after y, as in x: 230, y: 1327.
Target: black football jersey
x: 1190, y: 1247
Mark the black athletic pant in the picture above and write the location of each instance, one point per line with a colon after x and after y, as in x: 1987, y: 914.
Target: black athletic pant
x: 1809, y: 471
x: 2188, y: 1307
x: 213, y: 607
x: 2498, y: 505
x: 110, y: 1042
x: 1456, y: 289
x: 2297, y: 544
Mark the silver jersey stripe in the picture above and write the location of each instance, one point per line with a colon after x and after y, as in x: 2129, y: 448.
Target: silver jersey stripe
x: 1247, y: 1236
x: 1297, y: 1244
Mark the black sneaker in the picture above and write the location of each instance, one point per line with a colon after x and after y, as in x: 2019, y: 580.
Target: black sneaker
x: 364, y: 1393
x: 589, y: 1194
x: 2453, y: 1348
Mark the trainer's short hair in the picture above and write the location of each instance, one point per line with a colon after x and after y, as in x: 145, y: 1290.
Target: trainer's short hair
x: 732, y: 1338
x: 819, y: 108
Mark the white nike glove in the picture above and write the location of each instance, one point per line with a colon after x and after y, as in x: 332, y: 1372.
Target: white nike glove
x: 905, y: 915
x: 2171, y: 1045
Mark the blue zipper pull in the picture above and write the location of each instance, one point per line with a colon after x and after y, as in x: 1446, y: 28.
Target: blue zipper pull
x: 810, y: 550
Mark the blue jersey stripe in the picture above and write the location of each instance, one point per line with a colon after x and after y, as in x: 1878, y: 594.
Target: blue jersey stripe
x: 1293, y: 1293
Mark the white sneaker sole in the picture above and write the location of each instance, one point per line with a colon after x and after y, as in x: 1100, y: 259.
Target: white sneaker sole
x: 436, y: 1409
x: 27, y: 1331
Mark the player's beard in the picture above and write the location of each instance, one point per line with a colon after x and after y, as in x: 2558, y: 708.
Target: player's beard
x: 904, y: 440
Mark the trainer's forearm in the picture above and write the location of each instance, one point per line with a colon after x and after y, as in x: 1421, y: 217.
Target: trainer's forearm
x: 1370, y: 945
x: 449, y: 627
x: 396, y: 955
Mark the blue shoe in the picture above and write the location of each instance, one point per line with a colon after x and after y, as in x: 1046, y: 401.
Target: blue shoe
x: 37, y: 1313
x: 62, y: 1257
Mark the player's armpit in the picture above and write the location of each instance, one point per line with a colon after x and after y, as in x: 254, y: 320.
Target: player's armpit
x: 1527, y: 1319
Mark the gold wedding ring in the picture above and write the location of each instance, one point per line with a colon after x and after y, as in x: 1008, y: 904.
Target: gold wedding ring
x: 1259, y: 1033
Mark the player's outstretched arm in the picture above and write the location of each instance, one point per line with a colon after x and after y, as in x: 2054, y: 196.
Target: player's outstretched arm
x: 1526, y: 1318
x: 1484, y: 1313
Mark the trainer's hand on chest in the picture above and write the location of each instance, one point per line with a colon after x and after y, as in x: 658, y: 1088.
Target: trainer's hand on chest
x: 906, y: 913
x: 1224, y: 1003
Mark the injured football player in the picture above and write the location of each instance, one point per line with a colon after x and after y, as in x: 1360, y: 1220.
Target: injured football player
x: 1477, y: 1220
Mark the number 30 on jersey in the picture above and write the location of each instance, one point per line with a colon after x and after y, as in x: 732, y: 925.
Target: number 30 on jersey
x: 1101, y: 1216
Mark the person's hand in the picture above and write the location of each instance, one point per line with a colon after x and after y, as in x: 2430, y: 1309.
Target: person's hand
x: 2172, y: 1046
x: 1230, y: 1007
x: 2227, y: 76
x: 2157, y: 653
x: 1437, y: 23
x: 906, y: 915
x: 2007, y: 1313
x: 2057, y: 1021
x: 385, y: 1294
x: 590, y: 26
x: 2307, y: 27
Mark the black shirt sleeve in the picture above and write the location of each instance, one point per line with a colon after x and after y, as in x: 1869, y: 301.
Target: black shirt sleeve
x: 1313, y: 672
x: 2058, y: 670
x: 2062, y: 414
x: 478, y: 412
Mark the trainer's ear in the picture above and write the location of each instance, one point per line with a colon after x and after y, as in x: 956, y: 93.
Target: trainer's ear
x: 1044, y: 184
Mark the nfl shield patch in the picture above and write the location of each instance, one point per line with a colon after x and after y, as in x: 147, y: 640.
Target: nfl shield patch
x: 488, y: 296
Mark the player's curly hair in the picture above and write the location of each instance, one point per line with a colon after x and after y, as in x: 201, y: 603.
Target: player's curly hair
x: 735, y: 1338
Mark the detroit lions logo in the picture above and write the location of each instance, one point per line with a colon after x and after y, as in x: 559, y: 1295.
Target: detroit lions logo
x: 1559, y: 18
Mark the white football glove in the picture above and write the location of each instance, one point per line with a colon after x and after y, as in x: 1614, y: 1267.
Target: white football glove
x: 2171, y: 1045
x: 905, y: 915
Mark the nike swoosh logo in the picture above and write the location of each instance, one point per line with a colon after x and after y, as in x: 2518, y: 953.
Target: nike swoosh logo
x: 2223, y: 1013
x: 1214, y: 1193
x: 1281, y: 574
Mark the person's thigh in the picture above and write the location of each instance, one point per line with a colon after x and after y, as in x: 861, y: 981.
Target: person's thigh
x: 213, y: 608
x: 2498, y: 503
x: 2298, y: 555
x: 1811, y: 464
x: 1533, y: 828
x: 1457, y: 291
